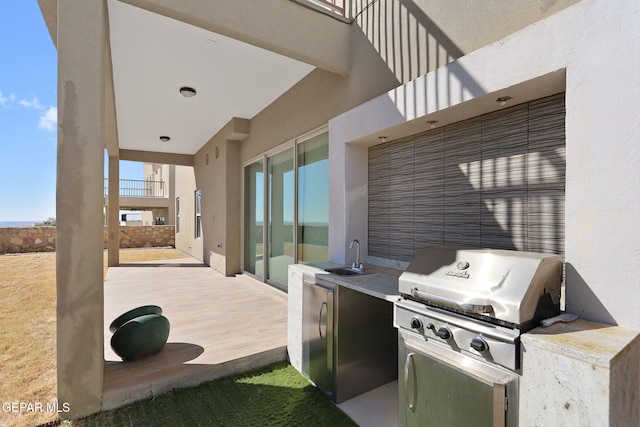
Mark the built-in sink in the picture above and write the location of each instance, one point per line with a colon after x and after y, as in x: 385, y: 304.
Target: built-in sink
x: 345, y: 271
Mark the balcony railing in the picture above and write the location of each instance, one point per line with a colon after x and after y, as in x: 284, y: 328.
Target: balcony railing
x: 139, y: 188
x: 337, y: 6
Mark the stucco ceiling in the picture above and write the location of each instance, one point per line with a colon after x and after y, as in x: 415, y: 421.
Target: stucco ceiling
x: 154, y: 56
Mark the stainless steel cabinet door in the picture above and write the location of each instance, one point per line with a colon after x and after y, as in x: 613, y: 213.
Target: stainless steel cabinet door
x: 365, y: 344
x: 439, y: 387
x: 317, y: 335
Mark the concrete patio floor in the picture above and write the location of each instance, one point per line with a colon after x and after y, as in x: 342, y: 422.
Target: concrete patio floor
x: 219, y: 326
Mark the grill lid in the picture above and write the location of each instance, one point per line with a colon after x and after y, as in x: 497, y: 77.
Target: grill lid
x: 509, y: 286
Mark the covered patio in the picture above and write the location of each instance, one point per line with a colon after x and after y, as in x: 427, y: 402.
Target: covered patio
x: 219, y: 326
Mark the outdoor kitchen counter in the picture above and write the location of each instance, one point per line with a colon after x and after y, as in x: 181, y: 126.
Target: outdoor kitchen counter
x: 580, y: 373
x: 379, y: 282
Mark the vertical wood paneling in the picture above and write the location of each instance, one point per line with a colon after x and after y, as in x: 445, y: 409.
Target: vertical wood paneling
x: 401, y: 178
x: 463, y: 181
x: 504, y: 178
x: 379, y: 201
x: 428, y: 187
x: 546, y: 178
x: 497, y: 181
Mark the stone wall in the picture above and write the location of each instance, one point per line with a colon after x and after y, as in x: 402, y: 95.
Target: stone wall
x: 43, y: 239
x: 27, y: 239
x: 145, y: 236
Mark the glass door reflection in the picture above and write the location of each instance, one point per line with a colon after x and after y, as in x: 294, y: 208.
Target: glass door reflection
x: 313, y: 200
x: 254, y: 219
x: 281, y: 209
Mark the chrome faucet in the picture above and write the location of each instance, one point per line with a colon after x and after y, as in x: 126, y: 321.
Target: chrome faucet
x: 356, y: 265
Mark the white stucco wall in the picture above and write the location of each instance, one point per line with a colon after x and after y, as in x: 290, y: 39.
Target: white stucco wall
x: 595, y: 45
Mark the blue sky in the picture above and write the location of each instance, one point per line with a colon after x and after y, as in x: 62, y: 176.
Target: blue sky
x: 28, y: 121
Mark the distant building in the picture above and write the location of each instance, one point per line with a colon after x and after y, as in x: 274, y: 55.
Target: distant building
x: 149, y: 201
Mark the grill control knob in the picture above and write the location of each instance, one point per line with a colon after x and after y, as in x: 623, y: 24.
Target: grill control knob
x: 416, y: 323
x: 444, y: 333
x: 479, y: 344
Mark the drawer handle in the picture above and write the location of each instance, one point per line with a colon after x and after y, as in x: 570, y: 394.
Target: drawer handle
x: 324, y: 304
x: 410, y: 398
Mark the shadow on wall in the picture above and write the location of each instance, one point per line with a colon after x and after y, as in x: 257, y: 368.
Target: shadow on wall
x: 412, y: 45
x: 493, y: 181
x: 408, y: 41
x: 579, y: 296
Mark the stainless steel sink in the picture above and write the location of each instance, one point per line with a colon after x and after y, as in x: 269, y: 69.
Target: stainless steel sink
x: 345, y: 271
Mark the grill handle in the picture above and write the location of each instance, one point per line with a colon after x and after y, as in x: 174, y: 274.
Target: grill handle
x: 448, y: 302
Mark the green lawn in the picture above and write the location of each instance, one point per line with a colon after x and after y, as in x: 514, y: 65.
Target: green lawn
x: 273, y: 396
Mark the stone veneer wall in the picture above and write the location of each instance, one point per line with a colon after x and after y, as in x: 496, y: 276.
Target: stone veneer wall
x: 27, y: 239
x: 43, y: 239
x: 145, y: 236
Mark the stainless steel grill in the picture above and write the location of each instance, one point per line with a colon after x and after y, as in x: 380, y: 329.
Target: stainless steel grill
x: 511, y: 288
x: 460, y: 319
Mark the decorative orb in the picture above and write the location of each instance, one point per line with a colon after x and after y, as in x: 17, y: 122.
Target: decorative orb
x: 139, y: 333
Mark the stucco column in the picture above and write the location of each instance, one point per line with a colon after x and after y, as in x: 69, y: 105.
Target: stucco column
x: 79, y: 205
x: 171, y: 219
x: 113, y: 212
x: 234, y: 216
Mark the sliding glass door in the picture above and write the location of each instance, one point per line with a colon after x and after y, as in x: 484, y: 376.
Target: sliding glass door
x: 280, y: 231
x: 254, y: 219
x: 313, y: 200
x: 286, y: 216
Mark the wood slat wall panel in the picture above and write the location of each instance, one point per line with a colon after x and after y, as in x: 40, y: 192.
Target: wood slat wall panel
x: 504, y: 178
x: 428, y: 187
x: 379, y: 200
x: 462, y: 183
x: 401, y: 197
x: 497, y: 180
x: 546, y: 175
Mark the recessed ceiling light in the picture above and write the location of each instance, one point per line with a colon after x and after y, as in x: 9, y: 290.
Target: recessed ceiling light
x: 187, y: 92
x: 165, y: 138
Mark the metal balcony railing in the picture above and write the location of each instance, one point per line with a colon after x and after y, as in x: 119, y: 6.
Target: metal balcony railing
x: 337, y: 6
x: 139, y: 188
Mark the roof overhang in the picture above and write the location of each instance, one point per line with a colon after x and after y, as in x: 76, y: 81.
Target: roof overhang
x: 239, y: 56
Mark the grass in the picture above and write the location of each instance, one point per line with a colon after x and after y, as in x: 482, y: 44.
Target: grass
x: 27, y: 334
x: 273, y: 396
x: 28, y: 329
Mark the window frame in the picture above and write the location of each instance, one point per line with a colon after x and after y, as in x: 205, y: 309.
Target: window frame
x: 264, y: 156
x: 177, y: 215
x: 198, y: 214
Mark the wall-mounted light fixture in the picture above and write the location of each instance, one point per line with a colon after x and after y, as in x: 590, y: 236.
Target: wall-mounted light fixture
x: 164, y: 138
x: 187, y: 91
x: 432, y: 123
x: 382, y: 138
x: 503, y: 99
x: 217, y: 152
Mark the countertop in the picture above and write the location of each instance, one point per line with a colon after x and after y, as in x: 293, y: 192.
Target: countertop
x: 595, y: 343
x: 379, y: 282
